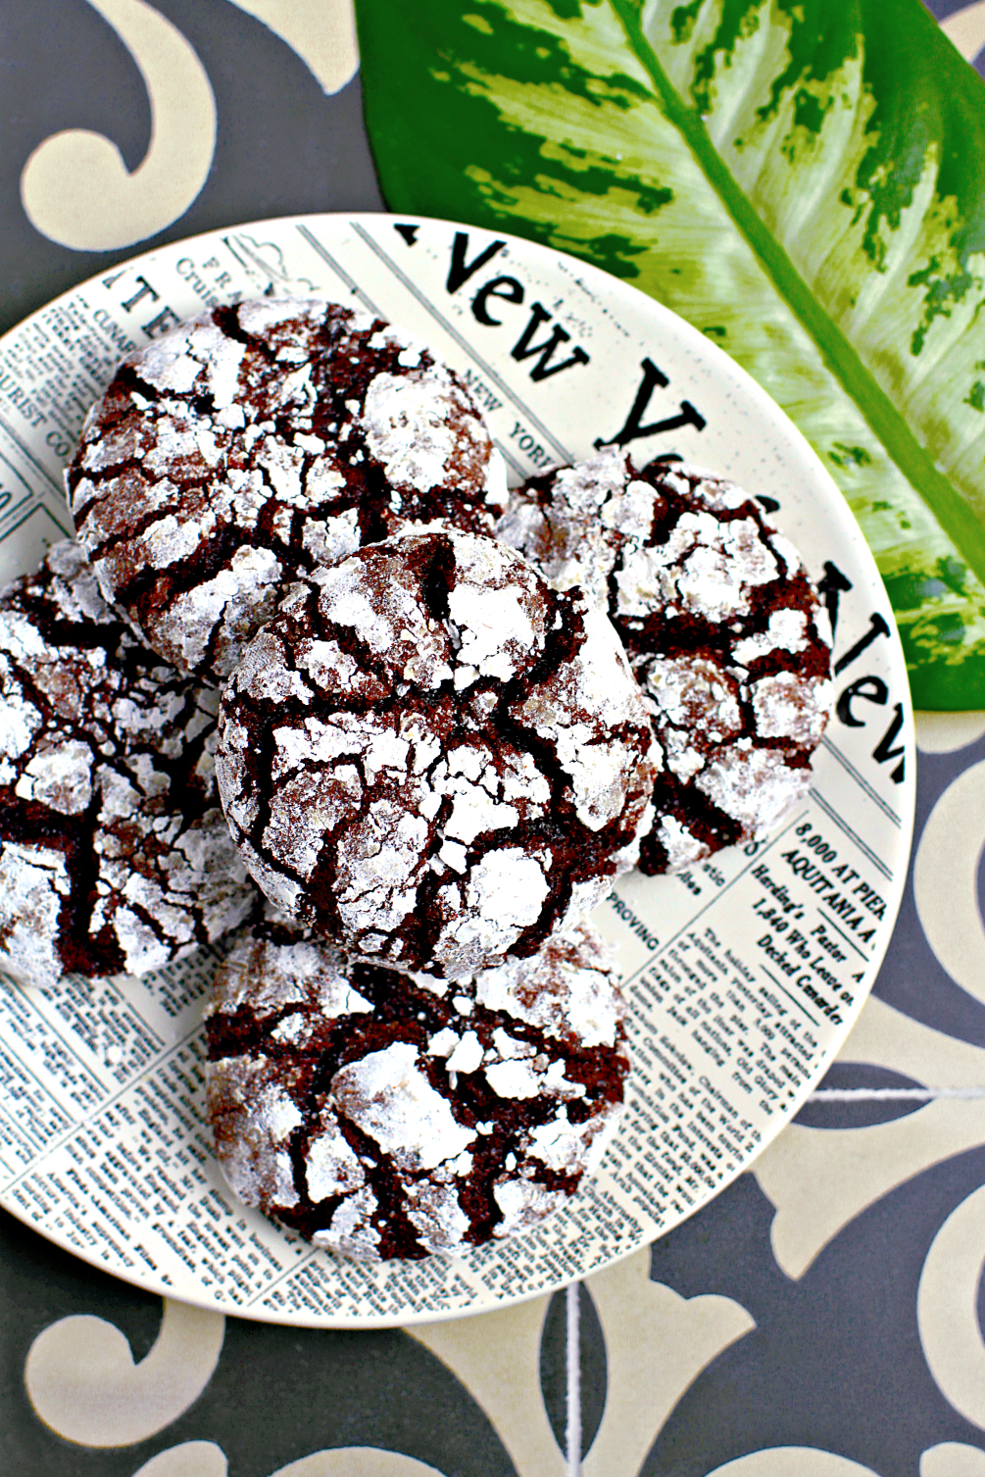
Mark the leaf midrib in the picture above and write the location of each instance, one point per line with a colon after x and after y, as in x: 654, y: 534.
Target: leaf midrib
x: 840, y: 357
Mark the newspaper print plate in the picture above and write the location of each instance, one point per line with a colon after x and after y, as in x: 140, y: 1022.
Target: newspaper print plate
x: 745, y: 973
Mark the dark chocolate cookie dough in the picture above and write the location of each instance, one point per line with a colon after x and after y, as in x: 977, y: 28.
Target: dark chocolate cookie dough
x: 432, y: 757
x: 251, y: 445
x: 114, y: 854
x: 383, y: 1115
x: 723, y: 628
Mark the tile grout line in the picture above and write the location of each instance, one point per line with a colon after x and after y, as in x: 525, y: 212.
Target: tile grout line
x: 892, y: 1094
x: 573, y: 1424
x: 572, y: 1435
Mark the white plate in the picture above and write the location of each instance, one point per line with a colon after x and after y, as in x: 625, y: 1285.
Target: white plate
x: 745, y: 974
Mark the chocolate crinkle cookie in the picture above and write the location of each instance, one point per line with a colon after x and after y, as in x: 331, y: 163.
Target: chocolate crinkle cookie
x: 114, y: 854
x: 383, y: 1115
x: 253, y: 444
x: 433, y: 758
x: 722, y: 626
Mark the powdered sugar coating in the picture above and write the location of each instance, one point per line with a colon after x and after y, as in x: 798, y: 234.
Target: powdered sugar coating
x: 432, y: 757
x: 114, y: 855
x: 418, y: 1122
x: 250, y: 445
x: 724, y: 631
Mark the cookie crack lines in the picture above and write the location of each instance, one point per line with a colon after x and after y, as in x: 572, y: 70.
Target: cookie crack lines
x: 511, y: 870
x: 724, y: 632
x: 124, y: 860
x: 406, y: 1119
x: 354, y: 424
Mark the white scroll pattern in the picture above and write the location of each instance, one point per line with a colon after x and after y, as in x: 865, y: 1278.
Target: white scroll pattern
x: 945, y: 880
x: 322, y: 32
x: 946, y: 1308
x: 83, y: 1382
x: 75, y: 187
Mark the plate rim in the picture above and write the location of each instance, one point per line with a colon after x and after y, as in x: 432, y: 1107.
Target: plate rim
x: 722, y: 364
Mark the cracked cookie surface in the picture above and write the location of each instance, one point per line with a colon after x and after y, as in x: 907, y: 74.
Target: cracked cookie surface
x: 251, y: 445
x: 389, y: 1115
x: 114, y: 854
x: 722, y: 626
x: 432, y: 757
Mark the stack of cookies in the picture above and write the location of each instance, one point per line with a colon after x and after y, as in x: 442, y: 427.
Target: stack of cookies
x: 439, y: 721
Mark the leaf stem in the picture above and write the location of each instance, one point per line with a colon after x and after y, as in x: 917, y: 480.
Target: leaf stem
x: 950, y: 509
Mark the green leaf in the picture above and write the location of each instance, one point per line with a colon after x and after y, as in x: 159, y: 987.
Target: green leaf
x: 802, y: 181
